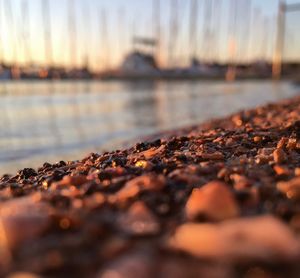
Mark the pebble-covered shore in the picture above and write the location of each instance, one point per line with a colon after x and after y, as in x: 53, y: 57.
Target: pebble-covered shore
x: 221, y: 199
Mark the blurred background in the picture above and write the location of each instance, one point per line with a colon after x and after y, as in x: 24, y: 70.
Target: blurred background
x: 78, y: 76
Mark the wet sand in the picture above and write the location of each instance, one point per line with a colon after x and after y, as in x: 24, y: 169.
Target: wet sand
x: 220, y: 199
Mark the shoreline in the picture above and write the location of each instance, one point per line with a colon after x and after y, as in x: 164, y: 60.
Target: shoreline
x: 199, y: 201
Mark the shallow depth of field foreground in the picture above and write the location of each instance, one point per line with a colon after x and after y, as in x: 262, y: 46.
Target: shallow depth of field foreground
x: 220, y: 199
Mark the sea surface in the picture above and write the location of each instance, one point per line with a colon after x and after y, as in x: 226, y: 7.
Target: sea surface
x: 54, y: 120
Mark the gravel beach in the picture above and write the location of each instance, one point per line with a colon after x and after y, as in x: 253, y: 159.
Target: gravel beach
x: 221, y: 199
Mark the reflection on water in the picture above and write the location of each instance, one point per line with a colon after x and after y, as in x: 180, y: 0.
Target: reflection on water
x: 49, y: 121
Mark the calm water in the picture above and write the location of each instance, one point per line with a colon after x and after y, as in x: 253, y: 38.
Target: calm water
x: 50, y: 121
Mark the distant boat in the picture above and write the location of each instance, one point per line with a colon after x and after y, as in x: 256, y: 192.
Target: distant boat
x: 198, y: 68
x: 136, y: 65
x: 142, y: 65
x: 139, y: 63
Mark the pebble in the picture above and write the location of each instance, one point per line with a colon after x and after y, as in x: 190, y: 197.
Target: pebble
x: 142, y: 183
x: 213, y: 201
x: 291, y: 188
x: 279, y: 155
x: 139, y: 221
x: 212, y: 156
x: 150, y: 153
x: 203, y: 190
x: 33, y: 218
x: 262, y: 238
x: 77, y: 180
x: 281, y: 170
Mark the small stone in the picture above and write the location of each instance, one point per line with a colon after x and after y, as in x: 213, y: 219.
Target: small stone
x: 238, y: 240
x: 281, y: 170
x: 266, y: 151
x: 68, y: 181
x: 148, y: 182
x: 279, y: 155
x: 144, y: 164
x: 150, y: 153
x: 74, y: 180
x: 23, y: 219
x: 139, y: 221
x: 212, y: 156
x: 182, y: 176
x: 237, y: 119
x: 264, y: 155
x: 291, y: 188
x: 240, y: 181
x: 291, y: 144
x: 213, y: 201
x: 257, y: 139
x: 282, y: 142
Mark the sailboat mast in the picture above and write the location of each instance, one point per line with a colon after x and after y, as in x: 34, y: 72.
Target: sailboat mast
x: 193, y: 27
x: 73, y: 37
x: 277, y: 60
x: 47, y: 33
x: 216, y: 22
x: 231, y: 71
x: 121, y: 22
x: 247, y: 36
x: 86, y: 21
x: 105, y: 40
x: 25, y: 31
x: 208, y: 30
x: 10, y: 23
x: 156, y: 28
x: 173, y: 30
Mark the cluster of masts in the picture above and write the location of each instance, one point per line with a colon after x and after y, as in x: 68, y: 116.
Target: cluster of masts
x: 166, y: 52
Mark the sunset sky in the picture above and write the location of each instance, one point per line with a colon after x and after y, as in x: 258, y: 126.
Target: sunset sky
x: 104, y: 29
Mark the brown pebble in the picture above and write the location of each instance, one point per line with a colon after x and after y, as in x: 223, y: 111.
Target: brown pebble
x: 240, y: 181
x: 212, y: 156
x: 150, y: 153
x: 69, y: 181
x: 291, y: 188
x: 238, y: 240
x: 139, y: 221
x: 148, y: 182
x: 213, y: 201
x: 147, y: 165
x: 282, y: 142
x: 237, y: 120
x: 279, y: 155
x: 257, y: 139
x: 74, y: 180
x: 281, y: 170
x: 292, y: 144
x: 26, y: 214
